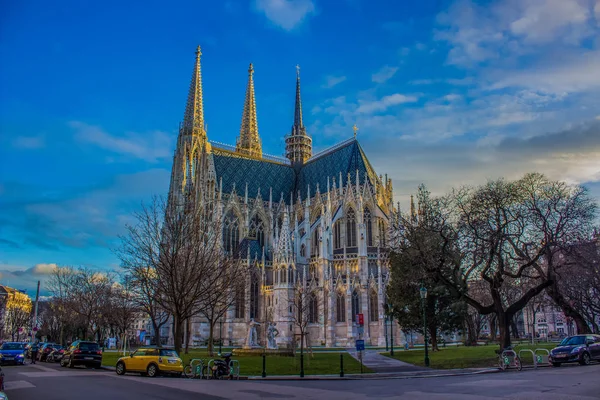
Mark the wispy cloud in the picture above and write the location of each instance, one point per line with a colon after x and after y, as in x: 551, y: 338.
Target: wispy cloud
x: 385, y: 73
x: 151, y: 146
x: 332, y: 80
x: 286, y: 14
x: 369, y: 107
x: 29, y: 142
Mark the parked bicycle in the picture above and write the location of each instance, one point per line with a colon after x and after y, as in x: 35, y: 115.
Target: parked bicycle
x: 197, y: 369
x: 508, y: 358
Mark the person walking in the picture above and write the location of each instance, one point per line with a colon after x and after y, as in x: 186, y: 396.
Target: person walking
x: 34, y: 351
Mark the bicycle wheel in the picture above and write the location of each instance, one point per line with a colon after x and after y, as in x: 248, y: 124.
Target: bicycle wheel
x: 518, y: 363
x: 188, y: 372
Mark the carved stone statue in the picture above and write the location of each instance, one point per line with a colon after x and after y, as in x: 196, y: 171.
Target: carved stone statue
x: 252, y: 338
x: 272, y: 333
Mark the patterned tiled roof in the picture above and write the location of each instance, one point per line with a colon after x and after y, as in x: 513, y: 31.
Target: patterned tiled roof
x: 236, y: 169
x: 255, y: 249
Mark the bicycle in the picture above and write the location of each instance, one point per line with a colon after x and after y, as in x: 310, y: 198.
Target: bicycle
x: 196, y: 369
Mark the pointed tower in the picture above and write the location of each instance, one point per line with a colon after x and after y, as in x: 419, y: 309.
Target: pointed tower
x: 249, y: 142
x: 298, y: 145
x: 191, y: 142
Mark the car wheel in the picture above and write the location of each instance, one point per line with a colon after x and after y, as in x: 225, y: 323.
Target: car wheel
x: 585, y: 359
x: 120, y: 368
x: 555, y: 364
x: 70, y: 364
x: 152, y: 370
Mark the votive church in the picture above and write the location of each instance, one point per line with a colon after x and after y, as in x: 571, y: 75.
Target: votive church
x: 317, y: 219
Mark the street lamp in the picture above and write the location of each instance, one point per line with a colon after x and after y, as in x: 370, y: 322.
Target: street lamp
x: 391, y: 317
x: 423, y: 293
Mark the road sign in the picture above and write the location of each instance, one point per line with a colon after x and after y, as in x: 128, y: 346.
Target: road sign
x: 360, y: 318
x: 360, y: 345
x: 360, y: 330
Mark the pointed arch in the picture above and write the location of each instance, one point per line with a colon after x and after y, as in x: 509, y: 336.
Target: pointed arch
x: 313, y: 309
x: 257, y: 229
x: 368, y: 226
x: 231, y: 232
x: 373, y: 306
x: 355, y: 304
x: 314, y: 251
x: 340, y: 307
x: 254, y: 295
x: 350, y: 228
x: 303, y: 250
x: 337, y: 234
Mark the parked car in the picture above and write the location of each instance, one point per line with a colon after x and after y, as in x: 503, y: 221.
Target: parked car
x: 56, y: 354
x: 151, y: 361
x: 82, y: 352
x: 12, y: 352
x: 578, y: 348
x: 44, y: 350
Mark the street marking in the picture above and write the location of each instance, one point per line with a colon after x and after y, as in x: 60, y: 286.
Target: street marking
x: 12, y: 385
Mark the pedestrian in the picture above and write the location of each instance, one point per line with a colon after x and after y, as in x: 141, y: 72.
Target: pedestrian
x: 34, y: 352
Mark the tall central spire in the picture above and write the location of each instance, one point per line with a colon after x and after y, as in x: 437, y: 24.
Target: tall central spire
x: 193, y: 119
x: 298, y: 125
x: 298, y: 145
x: 249, y: 142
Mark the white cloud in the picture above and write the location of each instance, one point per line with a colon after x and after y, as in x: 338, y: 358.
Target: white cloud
x: 151, y: 146
x: 287, y: 14
x: 29, y: 142
x: 332, y: 80
x: 452, y: 97
x: 368, y: 107
x: 385, y: 73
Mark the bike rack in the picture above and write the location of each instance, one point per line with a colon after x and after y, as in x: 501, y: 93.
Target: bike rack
x: 508, y: 359
x: 542, y: 359
x: 209, y: 368
x: 195, y: 364
x: 532, y: 356
x: 234, y: 369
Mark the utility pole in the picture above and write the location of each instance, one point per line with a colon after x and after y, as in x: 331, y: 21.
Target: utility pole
x: 35, y: 314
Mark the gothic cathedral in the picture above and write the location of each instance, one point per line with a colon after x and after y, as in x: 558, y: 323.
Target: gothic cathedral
x: 317, y: 218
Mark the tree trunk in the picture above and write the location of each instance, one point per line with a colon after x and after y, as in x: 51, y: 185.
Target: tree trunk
x: 568, y: 310
x: 432, y: 328
x: 188, y: 330
x: 211, y: 330
x: 471, y: 339
x: 156, y: 329
x: 177, y: 331
x: 504, y: 328
x: 493, y: 328
x: 514, y: 329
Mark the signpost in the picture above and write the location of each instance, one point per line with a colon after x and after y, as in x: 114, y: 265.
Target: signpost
x: 360, y: 346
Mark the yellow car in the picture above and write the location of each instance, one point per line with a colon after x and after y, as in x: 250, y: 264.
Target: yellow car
x: 151, y: 361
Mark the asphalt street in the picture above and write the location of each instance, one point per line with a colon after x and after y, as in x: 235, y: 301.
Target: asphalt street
x: 50, y: 382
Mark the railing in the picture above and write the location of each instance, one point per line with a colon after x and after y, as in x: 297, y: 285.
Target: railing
x: 268, y: 157
x: 330, y: 149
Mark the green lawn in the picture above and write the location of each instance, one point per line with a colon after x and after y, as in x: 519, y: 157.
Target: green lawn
x: 318, y: 364
x: 464, y: 357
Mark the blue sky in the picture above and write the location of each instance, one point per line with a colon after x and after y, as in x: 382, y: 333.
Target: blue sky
x: 443, y: 92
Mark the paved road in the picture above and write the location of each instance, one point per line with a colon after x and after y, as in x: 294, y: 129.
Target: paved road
x: 50, y: 382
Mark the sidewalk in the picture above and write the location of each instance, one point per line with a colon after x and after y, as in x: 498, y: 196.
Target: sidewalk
x: 382, y: 364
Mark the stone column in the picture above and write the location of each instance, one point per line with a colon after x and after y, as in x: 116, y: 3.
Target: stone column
x: 364, y: 307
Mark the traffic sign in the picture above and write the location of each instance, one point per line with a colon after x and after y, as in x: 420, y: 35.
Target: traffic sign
x: 361, y: 330
x: 360, y: 318
x: 360, y: 345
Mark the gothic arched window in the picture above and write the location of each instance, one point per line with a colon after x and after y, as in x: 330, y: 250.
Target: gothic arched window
x: 373, y: 307
x: 340, y: 309
x: 303, y: 250
x: 315, y: 244
x: 231, y: 232
x: 240, y: 302
x: 351, y: 228
x: 313, y: 309
x: 254, y: 298
x: 257, y: 230
x: 355, y: 304
x: 368, y: 226
x: 382, y: 233
x: 337, y: 235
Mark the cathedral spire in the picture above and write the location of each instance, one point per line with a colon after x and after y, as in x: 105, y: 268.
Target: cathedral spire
x: 193, y: 119
x: 298, y: 145
x: 249, y: 142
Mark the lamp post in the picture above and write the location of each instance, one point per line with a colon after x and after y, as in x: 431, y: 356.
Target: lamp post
x: 220, y: 335
x: 391, y: 316
x: 423, y: 293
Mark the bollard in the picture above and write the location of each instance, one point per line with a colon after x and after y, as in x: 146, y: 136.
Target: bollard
x: 264, y: 372
x: 341, y: 365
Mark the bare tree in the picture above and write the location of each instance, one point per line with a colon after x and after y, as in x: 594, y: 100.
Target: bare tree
x: 17, y: 317
x: 123, y: 309
x: 303, y: 302
x: 230, y: 277
x: 178, y: 248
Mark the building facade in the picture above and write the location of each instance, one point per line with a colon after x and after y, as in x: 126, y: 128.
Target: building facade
x: 316, y: 219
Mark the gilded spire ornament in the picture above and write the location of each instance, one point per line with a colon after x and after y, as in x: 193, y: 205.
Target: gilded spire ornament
x: 249, y: 142
x: 193, y: 119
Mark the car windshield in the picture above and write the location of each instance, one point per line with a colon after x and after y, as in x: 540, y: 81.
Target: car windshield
x: 88, y: 346
x: 573, y: 340
x: 12, y: 346
x: 168, y: 353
